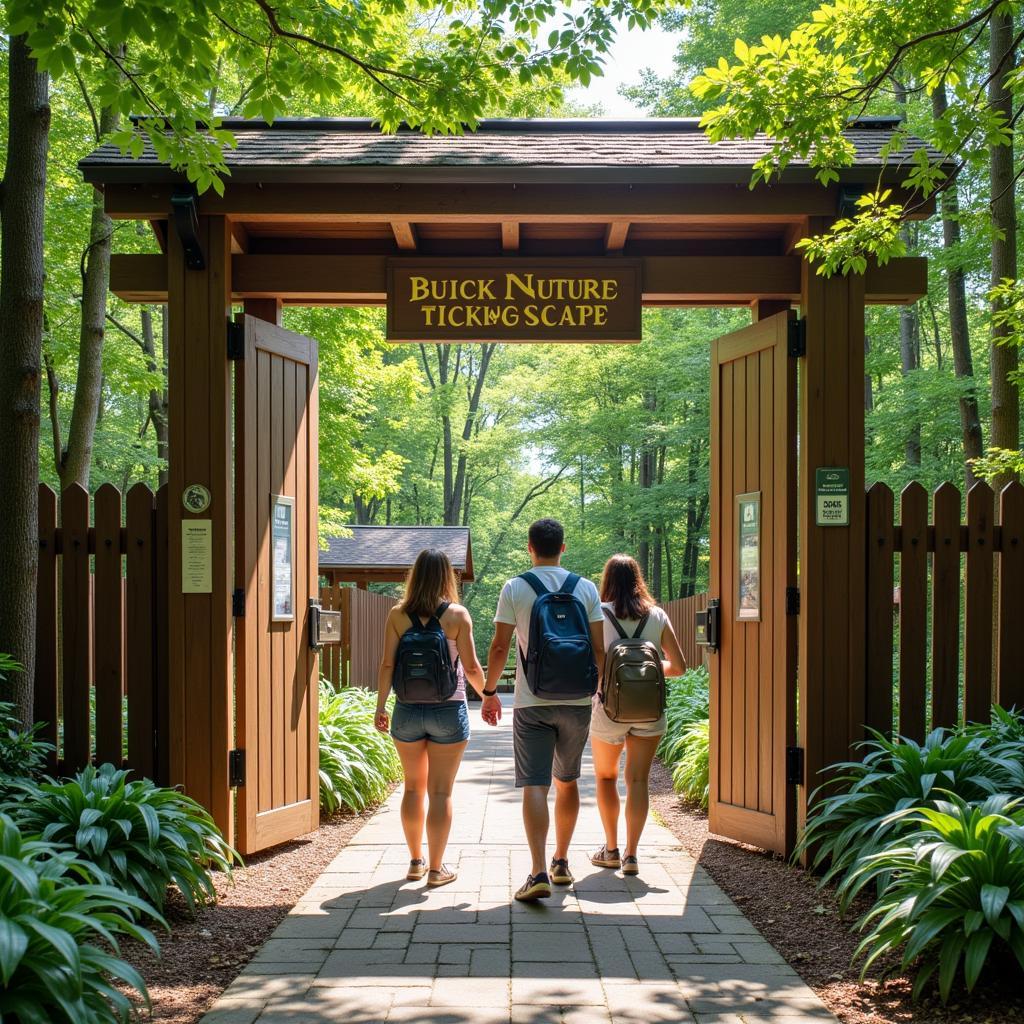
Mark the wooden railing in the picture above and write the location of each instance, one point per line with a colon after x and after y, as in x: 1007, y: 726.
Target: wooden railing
x: 956, y: 591
x: 681, y: 614
x: 355, y: 660
x: 101, y: 635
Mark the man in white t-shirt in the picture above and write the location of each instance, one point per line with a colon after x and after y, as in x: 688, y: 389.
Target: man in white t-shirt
x: 548, y: 735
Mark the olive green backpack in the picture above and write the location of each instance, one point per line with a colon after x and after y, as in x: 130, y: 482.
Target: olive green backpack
x: 633, y: 687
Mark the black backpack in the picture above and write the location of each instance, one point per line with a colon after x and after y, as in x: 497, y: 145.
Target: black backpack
x: 633, y: 685
x: 560, y: 662
x: 424, y: 672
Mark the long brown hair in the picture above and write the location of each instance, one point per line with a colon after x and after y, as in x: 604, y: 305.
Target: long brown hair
x: 623, y: 587
x: 431, y: 580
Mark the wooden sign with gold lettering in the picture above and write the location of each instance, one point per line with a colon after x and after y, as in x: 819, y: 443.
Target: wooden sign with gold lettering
x: 514, y: 299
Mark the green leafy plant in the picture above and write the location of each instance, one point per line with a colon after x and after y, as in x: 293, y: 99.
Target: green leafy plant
x: 855, y: 813
x: 690, y: 774
x: 686, y: 702
x: 60, y: 923
x: 357, y: 763
x: 142, y: 836
x: 953, y: 890
x: 22, y: 753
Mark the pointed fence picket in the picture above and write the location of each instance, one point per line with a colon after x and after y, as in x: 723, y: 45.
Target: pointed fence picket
x: 101, y: 686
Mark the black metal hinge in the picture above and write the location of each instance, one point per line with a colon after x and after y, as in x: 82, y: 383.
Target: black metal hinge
x: 236, y: 340
x: 794, y: 766
x: 792, y: 600
x: 236, y: 767
x: 797, y: 346
x: 238, y: 603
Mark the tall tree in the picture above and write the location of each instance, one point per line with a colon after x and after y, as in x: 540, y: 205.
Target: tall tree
x: 1004, y: 359
x: 22, y: 208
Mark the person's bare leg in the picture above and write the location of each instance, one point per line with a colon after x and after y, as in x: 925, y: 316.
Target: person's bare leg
x: 535, y: 820
x: 443, y: 760
x: 414, y: 766
x: 639, y: 755
x: 567, y: 811
x: 606, y: 771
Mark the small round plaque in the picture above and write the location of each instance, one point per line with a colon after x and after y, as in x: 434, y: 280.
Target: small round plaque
x: 196, y: 498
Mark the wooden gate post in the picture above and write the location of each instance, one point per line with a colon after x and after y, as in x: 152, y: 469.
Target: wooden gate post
x: 199, y: 452
x: 832, y: 629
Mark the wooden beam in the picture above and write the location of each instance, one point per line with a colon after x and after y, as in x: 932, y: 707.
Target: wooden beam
x: 405, y: 234
x: 510, y: 235
x: 668, y: 280
x: 530, y: 203
x: 239, y: 237
x: 615, y: 235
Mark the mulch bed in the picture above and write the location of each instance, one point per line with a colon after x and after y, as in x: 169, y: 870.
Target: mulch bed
x: 203, y: 955
x: 801, y: 921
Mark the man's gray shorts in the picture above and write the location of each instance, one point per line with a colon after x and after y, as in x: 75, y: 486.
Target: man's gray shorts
x: 546, y: 738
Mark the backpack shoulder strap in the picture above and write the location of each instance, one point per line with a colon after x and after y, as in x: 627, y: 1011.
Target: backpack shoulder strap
x: 413, y: 618
x: 535, y: 583
x: 441, y: 609
x: 640, y: 626
x: 570, y: 583
x: 615, y: 622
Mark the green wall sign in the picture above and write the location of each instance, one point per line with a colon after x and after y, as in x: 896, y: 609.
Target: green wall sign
x: 832, y: 496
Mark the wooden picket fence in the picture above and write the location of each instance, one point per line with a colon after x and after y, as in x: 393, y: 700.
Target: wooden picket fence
x: 681, y: 613
x: 945, y: 607
x: 354, y: 662
x: 101, y: 633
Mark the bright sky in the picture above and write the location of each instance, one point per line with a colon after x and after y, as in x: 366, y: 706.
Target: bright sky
x: 632, y: 52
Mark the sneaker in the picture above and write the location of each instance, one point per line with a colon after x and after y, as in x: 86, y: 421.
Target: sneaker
x: 536, y: 887
x: 559, y: 871
x: 605, y: 858
x: 441, y: 876
x: 417, y: 869
x: 630, y: 866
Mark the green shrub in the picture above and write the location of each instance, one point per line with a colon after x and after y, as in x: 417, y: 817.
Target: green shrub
x: 953, y: 888
x: 357, y: 763
x: 59, y: 928
x: 142, y: 836
x: 855, y: 814
x: 690, y: 774
x: 22, y: 753
x: 1002, y: 750
x: 686, y: 702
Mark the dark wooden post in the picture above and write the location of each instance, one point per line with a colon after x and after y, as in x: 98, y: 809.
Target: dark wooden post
x: 264, y: 309
x: 199, y: 415
x: 832, y: 627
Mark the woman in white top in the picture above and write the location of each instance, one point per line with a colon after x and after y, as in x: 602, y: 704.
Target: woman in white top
x: 625, y: 594
x: 430, y: 738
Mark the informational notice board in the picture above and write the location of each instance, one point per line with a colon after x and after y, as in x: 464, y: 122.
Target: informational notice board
x: 748, y: 556
x: 832, y: 496
x: 514, y: 299
x: 282, y: 555
x: 197, y: 556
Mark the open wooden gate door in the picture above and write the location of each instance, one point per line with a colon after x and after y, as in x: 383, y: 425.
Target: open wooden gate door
x: 753, y: 564
x: 276, y: 573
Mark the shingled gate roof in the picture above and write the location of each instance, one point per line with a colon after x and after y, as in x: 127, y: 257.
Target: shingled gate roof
x: 388, y: 552
x: 513, y: 149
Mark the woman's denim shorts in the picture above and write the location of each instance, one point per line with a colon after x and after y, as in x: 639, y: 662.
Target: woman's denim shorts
x: 439, y: 723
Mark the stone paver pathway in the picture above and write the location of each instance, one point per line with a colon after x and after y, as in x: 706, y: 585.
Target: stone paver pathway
x: 363, y: 945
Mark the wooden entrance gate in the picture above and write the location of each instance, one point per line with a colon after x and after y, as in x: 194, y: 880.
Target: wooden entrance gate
x: 276, y: 490
x: 753, y: 563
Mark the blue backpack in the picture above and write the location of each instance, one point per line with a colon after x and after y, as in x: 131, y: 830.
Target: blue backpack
x: 424, y: 672
x: 560, y: 661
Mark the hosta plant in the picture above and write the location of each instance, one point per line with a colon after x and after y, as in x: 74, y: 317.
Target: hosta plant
x: 953, y: 891
x: 22, y: 753
x: 686, y: 702
x: 142, y: 836
x: 357, y: 763
x: 60, y: 924
x: 855, y: 814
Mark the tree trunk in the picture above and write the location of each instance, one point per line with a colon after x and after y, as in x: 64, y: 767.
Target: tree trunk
x: 157, y: 398
x: 1004, y: 358
x: 454, y: 503
x: 959, y: 332
x: 22, y: 211
x: 869, y: 398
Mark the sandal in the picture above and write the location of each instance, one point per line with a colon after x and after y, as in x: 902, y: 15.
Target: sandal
x: 417, y: 869
x: 440, y: 876
x: 605, y: 858
x: 630, y: 866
